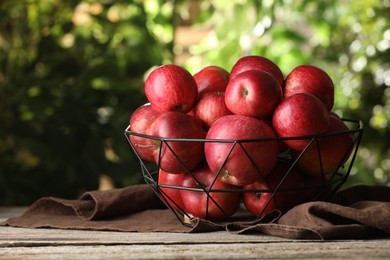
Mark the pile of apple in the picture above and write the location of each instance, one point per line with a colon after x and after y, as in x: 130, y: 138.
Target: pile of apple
x: 217, y: 137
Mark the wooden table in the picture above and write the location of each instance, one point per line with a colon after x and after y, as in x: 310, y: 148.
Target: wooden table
x: 23, y: 243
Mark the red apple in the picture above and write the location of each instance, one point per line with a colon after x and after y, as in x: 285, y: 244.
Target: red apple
x: 178, y: 155
x: 288, y: 182
x: 240, y: 163
x: 331, y: 151
x: 171, y: 194
x: 140, y: 121
x: 253, y: 93
x: 312, y: 80
x: 300, y: 115
x: 211, y: 198
x: 282, y: 189
x: 210, y: 107
x: 253, y: 62
x: 171, y: 88
x: 211, y: 79
x: 317, y: 187
x: 258, y: 198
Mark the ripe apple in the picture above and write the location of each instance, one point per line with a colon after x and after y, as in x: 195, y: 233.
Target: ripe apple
x: 171, y: 88
x: 331, y: 151
x: 288, y: 181
x: 301, y: 114
x: 317, y: 187
x: 240, y: 163
x: 213, y: 199
x: 312, y: 80
x: 254, y: 62
x: 211, y: 79
x: 179, y: 155
x: 211, y: 106
x: 253, y: 93
x: 171, y: 194
x: 258, y: 198
x: 287, y: 184
x: 140, y: 121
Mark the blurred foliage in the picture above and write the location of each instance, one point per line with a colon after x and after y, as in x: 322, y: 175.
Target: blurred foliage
x: 71, y: 73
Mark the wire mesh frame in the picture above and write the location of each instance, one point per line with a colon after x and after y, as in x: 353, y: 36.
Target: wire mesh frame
x: 150, y: 170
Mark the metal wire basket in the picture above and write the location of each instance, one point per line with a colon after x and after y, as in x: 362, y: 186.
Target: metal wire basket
x: 322, y: 189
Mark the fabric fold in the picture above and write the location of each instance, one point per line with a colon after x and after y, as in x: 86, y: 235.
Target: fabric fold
x: 117, y: 202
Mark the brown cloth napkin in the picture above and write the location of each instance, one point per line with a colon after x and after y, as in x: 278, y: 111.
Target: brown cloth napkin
x: 359, y: 212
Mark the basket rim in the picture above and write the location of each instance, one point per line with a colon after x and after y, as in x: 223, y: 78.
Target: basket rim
x: 357, y: 129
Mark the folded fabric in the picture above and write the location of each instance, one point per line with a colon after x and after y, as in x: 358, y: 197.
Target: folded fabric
x: 134, y: 208
x: 359, y: 212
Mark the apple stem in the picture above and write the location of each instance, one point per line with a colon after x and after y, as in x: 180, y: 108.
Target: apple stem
x: 225, y: 174
x: 179, y: 108
x: 245, y: 91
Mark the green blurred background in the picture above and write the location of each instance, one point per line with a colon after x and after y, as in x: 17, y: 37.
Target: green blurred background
x: 72, y: 72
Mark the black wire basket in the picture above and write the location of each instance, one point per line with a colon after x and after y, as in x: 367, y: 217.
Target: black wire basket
x: 324, y: 186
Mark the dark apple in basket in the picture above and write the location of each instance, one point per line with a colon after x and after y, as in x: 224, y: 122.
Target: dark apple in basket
x: 241, y: 163
x: 213, y: 199
x: 171, y: 193
x: 178, y: 156
x: 330, y: 153
x: 318, y: 187
x: 288, y: 183
x: 171, y: 88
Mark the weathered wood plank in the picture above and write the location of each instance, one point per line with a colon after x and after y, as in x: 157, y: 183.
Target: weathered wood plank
x: 285, y: 250
x: 24, y: 243
x: 17, y: 237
